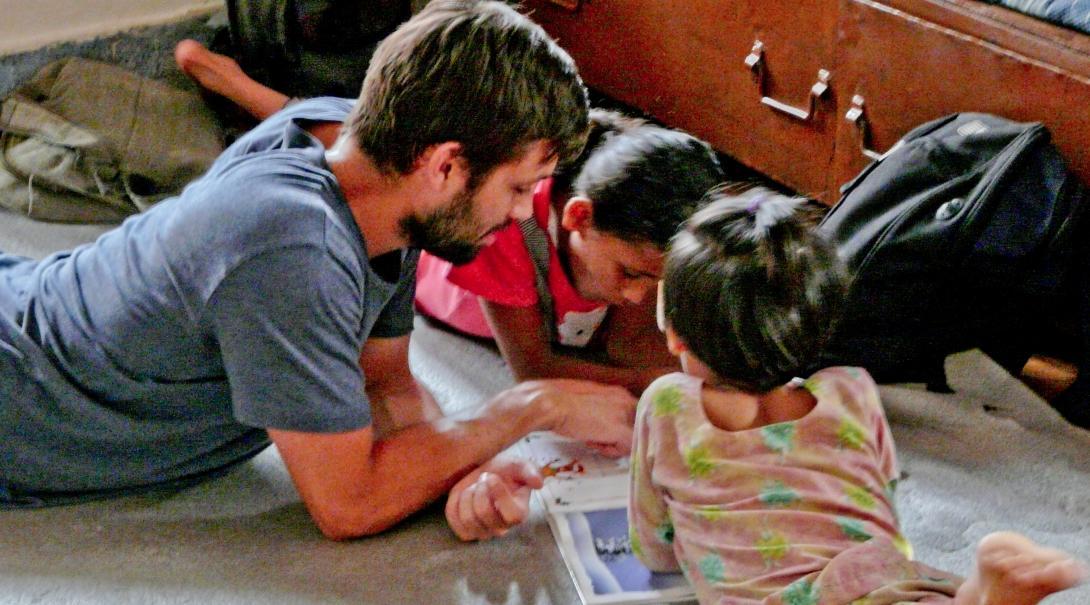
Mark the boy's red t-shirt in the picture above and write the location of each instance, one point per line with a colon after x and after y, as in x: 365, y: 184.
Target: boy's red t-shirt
x: 503, y: 273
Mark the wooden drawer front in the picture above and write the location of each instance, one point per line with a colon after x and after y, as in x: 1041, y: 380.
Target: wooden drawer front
x: 908, y: 70
x: 685, y: 64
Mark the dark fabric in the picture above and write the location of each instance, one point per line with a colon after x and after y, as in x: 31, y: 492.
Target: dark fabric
x: 537, y: 244
x: 1068, y: 13
x: 962, y: 236
x: 309, y: 48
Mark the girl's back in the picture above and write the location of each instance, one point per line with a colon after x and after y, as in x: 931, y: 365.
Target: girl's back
x: 759, y: 508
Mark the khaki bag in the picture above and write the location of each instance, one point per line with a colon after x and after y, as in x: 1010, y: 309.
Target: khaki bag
x: 85, y: 141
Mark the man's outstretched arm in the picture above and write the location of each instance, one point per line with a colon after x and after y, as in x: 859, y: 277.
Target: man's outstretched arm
x: 485, y: 503
x: 397, y: 399
x: 354, y: 485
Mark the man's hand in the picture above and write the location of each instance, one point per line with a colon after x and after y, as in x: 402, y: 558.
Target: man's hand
x: 599, y: 415
x: 492, y: 499
x: 354, y: 485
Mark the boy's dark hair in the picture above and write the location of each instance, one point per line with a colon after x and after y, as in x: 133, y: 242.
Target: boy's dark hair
x: 604, y: 125
x: 644, y: 180
x: 471, y: 71
x: 752, y: 289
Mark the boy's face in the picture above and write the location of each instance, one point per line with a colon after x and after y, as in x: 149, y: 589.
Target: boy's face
x: 458, y: 230
x: 603, y: 266
x: 612, y: 270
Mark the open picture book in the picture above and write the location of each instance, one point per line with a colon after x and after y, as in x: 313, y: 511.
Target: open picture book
x: 585, y: 499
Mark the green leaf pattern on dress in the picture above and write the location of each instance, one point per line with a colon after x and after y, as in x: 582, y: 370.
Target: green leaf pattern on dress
x: 667, y: 401
x: 777, y: 494
x: 860, y: 496
x: 850, y: 435
x: 779, y: 437
x: 665, y: 532
x: 699, y: 462
x: 772, y: 546
x: 712, y: 568
x: 711, y: 512
x: 853, y: 528
x: 801, y: 592
x: 634, y: 541
x: 902, y: 544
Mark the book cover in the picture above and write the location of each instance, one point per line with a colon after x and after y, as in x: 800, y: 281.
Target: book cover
x: 585, y: 498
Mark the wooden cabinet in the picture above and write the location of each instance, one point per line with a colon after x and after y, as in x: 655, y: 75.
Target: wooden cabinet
x: 902, y: 62
x: 686, y: 64
x: 885, y: 67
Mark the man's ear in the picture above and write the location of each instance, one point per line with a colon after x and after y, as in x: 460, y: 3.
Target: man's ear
x: 443, y: 167
x: 578, y: 214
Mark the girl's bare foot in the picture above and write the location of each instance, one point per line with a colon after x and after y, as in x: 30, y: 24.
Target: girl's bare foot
x: 223, y: 75
x: 1012, y: 570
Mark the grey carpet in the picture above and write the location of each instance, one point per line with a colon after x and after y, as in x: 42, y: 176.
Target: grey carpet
x: 245, y: 538
x: 148, y: 51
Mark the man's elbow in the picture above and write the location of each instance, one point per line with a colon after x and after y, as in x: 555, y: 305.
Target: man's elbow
x: 339, y: 524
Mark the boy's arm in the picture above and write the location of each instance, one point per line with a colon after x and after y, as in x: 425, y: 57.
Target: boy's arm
x: 630, y: 336
x: 522, y: 340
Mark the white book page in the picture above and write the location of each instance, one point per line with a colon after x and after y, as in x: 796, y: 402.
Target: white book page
x: 576, y: 477
x: 585, y: 498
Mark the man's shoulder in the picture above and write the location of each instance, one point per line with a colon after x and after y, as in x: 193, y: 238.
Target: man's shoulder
x: 318, y: 109
x: 266, y: 185
x: 257, y: 204
x: 277, y: 167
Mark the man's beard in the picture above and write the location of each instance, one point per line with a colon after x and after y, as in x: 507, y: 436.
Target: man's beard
x: 449, y: 233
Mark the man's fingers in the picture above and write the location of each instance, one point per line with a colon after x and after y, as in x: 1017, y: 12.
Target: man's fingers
x: 608, y: 450
x: 525, y: 473
x: 487, y: 504
x: 459, y: 529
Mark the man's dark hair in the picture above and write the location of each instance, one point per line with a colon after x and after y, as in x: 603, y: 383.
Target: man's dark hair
x: 475, y: 72
x: 643, y: 180
x: 752, y: 289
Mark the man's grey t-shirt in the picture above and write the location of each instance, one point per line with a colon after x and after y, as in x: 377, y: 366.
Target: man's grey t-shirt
x: 162, y: 350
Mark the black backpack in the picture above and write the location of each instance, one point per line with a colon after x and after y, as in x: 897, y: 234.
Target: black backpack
x: 963, y: 235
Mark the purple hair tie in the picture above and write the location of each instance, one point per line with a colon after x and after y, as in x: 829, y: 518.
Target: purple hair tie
x: 756, y: 202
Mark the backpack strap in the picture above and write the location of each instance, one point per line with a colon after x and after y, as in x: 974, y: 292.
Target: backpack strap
x: 537, y: 244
